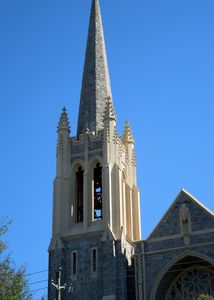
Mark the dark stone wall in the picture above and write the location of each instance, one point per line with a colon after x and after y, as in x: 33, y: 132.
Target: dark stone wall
x: 201, y: 219
x: 167, y: 244
x: 111, y: 276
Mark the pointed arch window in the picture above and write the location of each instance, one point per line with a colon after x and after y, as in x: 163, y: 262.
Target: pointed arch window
x: 94, y: 262
x: 74, y: 265
x: 79, y: 195
x: 98, y: 199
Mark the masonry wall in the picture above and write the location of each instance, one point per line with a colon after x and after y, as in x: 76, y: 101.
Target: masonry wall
x: 111, y: 274
x: 167, y: 246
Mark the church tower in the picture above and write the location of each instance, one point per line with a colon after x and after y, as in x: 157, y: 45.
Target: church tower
x: 96, y: 212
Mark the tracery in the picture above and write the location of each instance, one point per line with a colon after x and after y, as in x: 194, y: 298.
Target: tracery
x: 191, y: 283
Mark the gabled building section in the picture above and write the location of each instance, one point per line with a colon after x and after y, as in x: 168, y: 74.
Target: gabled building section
x: 186, y: 214
x: 172, y: 261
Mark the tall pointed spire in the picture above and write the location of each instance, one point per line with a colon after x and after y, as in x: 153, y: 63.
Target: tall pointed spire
x: 96, y: 86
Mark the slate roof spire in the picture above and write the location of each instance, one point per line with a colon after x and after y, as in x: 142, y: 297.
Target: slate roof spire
x: 96, y: 87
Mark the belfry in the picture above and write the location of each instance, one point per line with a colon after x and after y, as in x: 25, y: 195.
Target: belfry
x: 96, y: 251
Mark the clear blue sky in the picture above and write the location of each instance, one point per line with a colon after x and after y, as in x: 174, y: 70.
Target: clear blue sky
x: 161, y: 60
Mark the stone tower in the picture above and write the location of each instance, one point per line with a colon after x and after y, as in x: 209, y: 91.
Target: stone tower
x: 96, y: 213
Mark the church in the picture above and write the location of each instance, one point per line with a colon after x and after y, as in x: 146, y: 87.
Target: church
x: 96, y: 233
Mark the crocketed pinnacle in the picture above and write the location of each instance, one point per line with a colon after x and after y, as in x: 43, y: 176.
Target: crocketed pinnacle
x: 127, y: 136
x: 109, y: 110
x: 96, y: 83
x: 63, y: 121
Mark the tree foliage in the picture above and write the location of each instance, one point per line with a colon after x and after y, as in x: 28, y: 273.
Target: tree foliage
x: 205, y: 297
x: 13, y: 283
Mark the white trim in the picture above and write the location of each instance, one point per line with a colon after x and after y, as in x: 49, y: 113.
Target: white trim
x: 198, y: 202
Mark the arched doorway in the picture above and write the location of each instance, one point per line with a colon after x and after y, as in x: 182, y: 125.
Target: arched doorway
x: 186, y: 279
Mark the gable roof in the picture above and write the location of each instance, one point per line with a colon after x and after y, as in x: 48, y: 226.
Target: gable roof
x: 183, y: 196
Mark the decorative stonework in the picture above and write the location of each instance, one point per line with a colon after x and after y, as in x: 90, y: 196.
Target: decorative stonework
x: 127, y: 136
x: 109, y: 110
x: 185, y: 223
x: 133, y: 162
x: 107, y: 134
x: 121, y: 148
x: 126, y: 155
x: 63, y: 121
x: 115, y: 137
x: 192, y: 283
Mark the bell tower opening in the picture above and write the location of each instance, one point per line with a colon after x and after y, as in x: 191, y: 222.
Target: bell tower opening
x: 98, y: 203
x: 79, y: 195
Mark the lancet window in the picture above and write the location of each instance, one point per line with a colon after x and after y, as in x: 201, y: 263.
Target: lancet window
x: 79, y: 195
x: 98, y: 203
x: 74, y: 264
x: 93, y: 261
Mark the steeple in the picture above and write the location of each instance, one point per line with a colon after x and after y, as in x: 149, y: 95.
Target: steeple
x: 96, y: 86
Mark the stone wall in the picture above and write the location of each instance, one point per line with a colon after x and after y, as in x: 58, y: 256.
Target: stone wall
x: 168, y: 247
x: 111, y: 277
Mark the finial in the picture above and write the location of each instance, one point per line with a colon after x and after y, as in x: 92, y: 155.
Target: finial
x: 128, y: 137
x: 63, y: 121
x: 109, y: 110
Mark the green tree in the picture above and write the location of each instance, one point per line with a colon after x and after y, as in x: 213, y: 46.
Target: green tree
x: 205, y: 297
x: 13, y: 283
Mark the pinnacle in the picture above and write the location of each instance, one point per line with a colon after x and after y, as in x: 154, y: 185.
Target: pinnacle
x: 128, y: 136
x: 64, y: 121
x: 109, y: 110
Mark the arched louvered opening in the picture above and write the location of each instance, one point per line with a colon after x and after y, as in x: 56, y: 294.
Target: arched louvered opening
x: 97, y: 193
x: 79, y: 195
